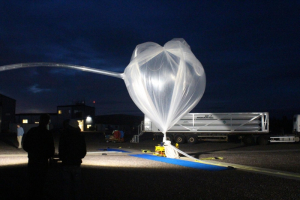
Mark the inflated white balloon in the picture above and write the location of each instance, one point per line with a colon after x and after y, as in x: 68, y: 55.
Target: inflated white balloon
x: 165, y: 82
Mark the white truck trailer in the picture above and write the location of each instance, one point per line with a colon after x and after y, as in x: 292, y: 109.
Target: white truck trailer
x: 194, y: 127
x: 251, y: 128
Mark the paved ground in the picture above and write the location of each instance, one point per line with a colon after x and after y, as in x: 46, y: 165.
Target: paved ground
x: 121, y: 176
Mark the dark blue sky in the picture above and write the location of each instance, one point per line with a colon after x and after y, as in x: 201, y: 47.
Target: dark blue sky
x: 250, y: 51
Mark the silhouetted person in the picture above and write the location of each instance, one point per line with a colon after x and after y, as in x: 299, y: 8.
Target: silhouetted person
x: 20, y: 133
x: 72, y: 148
x: 39, y: 144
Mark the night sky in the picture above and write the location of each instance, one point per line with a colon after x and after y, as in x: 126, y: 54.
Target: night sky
x: 250, y: 51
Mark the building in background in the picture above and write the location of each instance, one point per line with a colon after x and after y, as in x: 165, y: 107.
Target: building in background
x: 29, y: 120
x: 7, y: 112
x: 127, y: 123
x: 82, y: 113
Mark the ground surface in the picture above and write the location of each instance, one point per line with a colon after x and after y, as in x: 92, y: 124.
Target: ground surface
x: 114, y: 175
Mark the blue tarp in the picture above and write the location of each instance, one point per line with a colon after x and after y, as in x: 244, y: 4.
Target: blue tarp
x: 118, y: 150
x: 181, y: 162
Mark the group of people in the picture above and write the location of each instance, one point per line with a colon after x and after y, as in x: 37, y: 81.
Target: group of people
x: 39, y: 144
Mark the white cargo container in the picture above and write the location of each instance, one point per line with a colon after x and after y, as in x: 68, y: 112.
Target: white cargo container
x: 250, y: 127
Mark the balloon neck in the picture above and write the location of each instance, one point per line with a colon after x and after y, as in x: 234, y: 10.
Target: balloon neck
x: 164, y: 138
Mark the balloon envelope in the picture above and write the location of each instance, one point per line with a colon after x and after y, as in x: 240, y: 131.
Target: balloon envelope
x: 165, y: 82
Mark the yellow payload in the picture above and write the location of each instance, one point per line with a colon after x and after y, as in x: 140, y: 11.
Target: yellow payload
x: 160, y: 150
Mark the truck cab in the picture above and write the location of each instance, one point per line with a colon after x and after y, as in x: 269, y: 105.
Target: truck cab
x: 296, y: 128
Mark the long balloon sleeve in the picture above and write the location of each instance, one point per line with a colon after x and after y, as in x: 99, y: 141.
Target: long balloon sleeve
x: 45, y: 64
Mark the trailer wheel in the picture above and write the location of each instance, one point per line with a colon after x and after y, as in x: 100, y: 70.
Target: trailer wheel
x: 192, y: 139
x: 248, y: 140
x: 180, y: 139
x: 263, y: 140
x: 170, y: 138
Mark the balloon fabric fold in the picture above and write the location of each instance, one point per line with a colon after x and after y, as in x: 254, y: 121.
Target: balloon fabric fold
x: 165, y: 82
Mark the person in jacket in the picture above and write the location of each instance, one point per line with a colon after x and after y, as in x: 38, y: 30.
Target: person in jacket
x: 39, y: 144
x: 20, y: 133
x: 72, y: 149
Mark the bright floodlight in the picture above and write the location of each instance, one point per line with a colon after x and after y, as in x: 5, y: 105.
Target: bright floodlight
x: 88, y: 120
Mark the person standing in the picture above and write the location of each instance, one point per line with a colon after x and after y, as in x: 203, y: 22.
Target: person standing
x: 72, y: 148
x: 20, y: 133
x: 39, y: 144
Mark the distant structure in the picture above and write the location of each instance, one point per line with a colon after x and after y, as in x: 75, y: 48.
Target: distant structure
x: 127, y: 123
x: 29, y: 120
x: 82, y: 113
x: 7, y: 112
